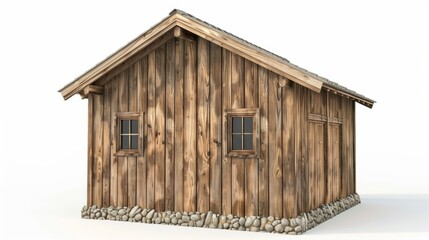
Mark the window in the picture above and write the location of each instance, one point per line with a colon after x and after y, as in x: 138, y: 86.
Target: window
x: 128, y: 133
x: 242, y: 132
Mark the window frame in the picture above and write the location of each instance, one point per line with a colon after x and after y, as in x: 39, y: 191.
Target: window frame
x: 117, y: 131
x: 242, y: 112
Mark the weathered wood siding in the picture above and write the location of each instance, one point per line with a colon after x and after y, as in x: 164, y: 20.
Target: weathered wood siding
x: 183, y: 87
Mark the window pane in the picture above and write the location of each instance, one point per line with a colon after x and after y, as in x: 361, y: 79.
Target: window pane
x: 237, y: 142
x: 236, y: 124
x: 125, y: 143
x: 248, y: 125
x: 134, y: 141
x: 125, y: 126
x: 134, y: 126
x: 248, y: 142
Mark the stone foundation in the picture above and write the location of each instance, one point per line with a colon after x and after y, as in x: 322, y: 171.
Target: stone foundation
x: 293, y: 226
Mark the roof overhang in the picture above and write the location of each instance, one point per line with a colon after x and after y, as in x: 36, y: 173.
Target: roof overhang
x: 202, y: 29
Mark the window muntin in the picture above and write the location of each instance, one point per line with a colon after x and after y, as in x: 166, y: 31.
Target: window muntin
x: 128, y: 133
x: 242, y: 132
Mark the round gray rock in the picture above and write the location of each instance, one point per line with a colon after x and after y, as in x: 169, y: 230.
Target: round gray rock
x: 150, y: 214
x: 138, y: 217
x: 199, y: 223
x: 268, y: 227
x: 242, y: 221
x: 124, y: 218
x: 195, y: 217
x: 279, y: 228
x: 249, y: 221
x: 257, y: 223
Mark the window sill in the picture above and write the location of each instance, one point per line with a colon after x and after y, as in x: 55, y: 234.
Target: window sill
x: 128, y: 154
x: 242, y: 155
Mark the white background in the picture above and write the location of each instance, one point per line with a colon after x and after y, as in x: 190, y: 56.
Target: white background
x: 377, y: 48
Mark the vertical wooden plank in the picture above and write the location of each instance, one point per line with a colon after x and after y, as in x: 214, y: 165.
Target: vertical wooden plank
x: 263, y: 187
x: 141, y: 71
x: 151, y: 134
x: 203, y: 130
x: 123, y: 161
x: 178, y: 126
x: 226, y: 104
x: 160, y: 129
x: 113, y: 158
x: 305, y: 100
x: 89, y: 201
x: 98, y: 151
x: 169, y: 125
x: 237, y: 101
x: 335, y: 149
x: 251, y: 100
x: 354, y: 148
x: 344, y: 148
x: 215, y: 102
x: 106, y: 143
x: 275, y: 146
x: 328, y: 159
x: 132, y: 161
x: 311, y: 164
x: 289, y: 179
x: 189, y: 141
x: 320, y: 160
x: 298, y: 146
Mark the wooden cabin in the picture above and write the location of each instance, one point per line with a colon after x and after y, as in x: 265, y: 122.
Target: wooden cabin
x: 188, y: 117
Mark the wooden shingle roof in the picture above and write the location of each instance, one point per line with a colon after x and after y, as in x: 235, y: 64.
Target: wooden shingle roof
x: 178, y: 18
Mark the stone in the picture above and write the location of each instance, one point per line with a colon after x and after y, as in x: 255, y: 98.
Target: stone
x: 124, y: 218
x: 184, y: 224
x: 291, y: 233
x: 92, y: 215
x: 215, y: 219
x: 93, y: 207
x: 298, y: 229
x: 268, y: 227
x: 179, y: 215
x: 144, y: 212
x: 185, y: 218
x: 254, y: 229
x: 230, y: 216
x: 122, y: 212
x: 174, y: 220
x: 158, y: 220
x: 138, y: 217
x: 134, y: 211
x: 208, y: 218
x: 180, y: 221
x: 167, y: 220
x: 257, y: 223
x: 236, y: 225
x: 84, y: 208
x: 114, y: 213
x: 195, y: 217
x: 118, y: 218
x: 222, y: 219
x: 293, y: 222
x: 241, y: 228
x: 234, y: 220
x: 103, y: 214
x: 279, y: 228
x: 270, y: 218
x: 275, y: 222
x: 212, y: 225
x: 150, y: 214
x: 191, y: 223
x: 242, y: 221
x: 85, y: 217
x: 285, y: 222
x: 288, y: 229
x: 226, y: 225
x: 97, y: 214
x: 249, y: 221
x: 199, y: 223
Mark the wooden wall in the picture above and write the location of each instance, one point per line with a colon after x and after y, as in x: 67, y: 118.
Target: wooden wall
x: 183, y: 88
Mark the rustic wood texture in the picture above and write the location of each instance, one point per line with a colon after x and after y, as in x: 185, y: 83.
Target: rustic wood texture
x: 215, y: 140
x: 263, y: 180
x: 106, y: 146
x: 203, y: 128
x: 141, y: 73
x: 183, y: 88
x: 160, y: 129
x: 288, y: 132
x: 178, y: 126
x: 226, y: 161
x: 251, y: 100
x: 151, y: 133
x: 275, y: 146
x: 169, y: 125
x: 190, y: 126
x: 237, y: 101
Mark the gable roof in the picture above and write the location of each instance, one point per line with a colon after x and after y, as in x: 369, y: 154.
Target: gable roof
x: 178, y: 18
